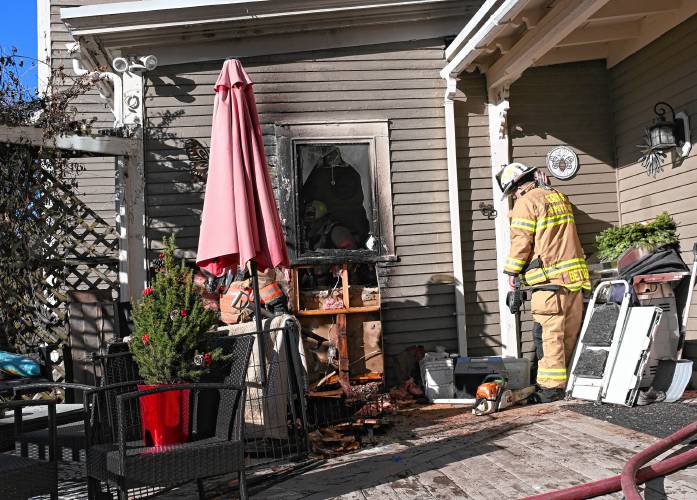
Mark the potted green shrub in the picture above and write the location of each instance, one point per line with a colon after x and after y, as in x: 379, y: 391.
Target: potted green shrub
x: 652, y: 235
x: 169, y: 321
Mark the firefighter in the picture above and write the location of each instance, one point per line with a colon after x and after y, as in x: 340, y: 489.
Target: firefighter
x: 547, y: 254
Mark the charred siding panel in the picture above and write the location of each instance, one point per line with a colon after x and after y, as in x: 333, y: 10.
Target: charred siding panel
x: 477, y: 231
x: 663, y: 71
x: 396, y: 82
x: 568, y: 104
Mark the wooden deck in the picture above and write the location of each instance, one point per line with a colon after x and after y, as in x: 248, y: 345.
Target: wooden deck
x: 436, y: 453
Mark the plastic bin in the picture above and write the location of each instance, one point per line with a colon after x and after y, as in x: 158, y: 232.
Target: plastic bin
x: 518, y: 372
x: 470, y: 372
x: 437, y: 375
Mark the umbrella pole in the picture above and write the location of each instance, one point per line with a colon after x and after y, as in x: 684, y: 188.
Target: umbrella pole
x: 257, y: 320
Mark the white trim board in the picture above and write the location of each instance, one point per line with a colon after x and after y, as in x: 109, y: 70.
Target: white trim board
x: 152, y: 14
x: 97, y: 145
x: 43, y: 52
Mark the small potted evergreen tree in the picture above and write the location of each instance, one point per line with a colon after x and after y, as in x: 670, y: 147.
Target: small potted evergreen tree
x: 169, y: 321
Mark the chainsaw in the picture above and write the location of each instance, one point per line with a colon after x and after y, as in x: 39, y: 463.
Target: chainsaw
x: 493, y: 395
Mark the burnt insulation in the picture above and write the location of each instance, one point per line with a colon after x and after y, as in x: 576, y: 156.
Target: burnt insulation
x: 601, y: 326
x: 591, y: 363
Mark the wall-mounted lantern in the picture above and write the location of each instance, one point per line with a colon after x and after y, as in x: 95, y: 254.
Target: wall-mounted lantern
x: 667, y: 134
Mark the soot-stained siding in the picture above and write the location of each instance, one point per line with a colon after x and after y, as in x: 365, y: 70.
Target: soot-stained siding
x: 398, y: 82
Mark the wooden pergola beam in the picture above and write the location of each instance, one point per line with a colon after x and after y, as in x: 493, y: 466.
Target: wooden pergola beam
x: 626, y: 9
x: 564, y: 18
x: 576, y: 53
x: 92, y: 145
x: 591, y: 34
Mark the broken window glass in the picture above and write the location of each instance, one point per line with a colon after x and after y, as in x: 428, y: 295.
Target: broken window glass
x: 336, y: 196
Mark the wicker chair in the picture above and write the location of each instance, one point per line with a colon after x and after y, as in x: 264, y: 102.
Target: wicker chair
x: 22, y: 477
x: 115, y: 366
x: 116, y: 453
x: 128, y: 463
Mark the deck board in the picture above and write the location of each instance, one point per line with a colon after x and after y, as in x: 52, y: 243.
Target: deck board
x: 516, y: 453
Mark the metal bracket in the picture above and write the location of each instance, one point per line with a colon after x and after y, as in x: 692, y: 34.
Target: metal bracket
x: 488, y: 210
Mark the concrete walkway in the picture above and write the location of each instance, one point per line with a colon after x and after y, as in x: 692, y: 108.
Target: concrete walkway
x: 445, y: 453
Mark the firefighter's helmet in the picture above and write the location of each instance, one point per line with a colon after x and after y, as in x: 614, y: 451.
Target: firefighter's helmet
x: 509, y: 177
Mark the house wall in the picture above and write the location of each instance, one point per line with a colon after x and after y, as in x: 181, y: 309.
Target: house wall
x: 96, y: 186
x: 568, y: 104
x: 398, y: 82
x: 662, y: 71
x: 477, y: 231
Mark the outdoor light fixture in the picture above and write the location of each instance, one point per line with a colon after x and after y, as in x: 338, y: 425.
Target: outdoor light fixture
x: 134, y: 63
x: 664, y: 136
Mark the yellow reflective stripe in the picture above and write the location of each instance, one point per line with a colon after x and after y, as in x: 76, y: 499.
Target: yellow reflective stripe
x: 514, y: 265
x: 576, y: 268
x: 552, y: 374
x: 558, y: 268
x: 551, y: 377
x: 525, y: 224
x: 554, y: 217
x: 554, y: 221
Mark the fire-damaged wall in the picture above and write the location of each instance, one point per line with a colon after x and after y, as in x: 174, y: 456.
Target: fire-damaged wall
x: 662, y: 71
x: 568, y: 104
x: 397, y: 82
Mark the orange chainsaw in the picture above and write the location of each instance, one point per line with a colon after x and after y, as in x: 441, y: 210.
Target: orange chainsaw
x: 493, y: 395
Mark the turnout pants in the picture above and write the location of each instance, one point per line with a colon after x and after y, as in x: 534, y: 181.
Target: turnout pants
x: 560, y: 314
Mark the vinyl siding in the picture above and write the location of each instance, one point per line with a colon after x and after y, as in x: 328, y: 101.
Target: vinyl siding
x: 96, y: 186
x: 663, y: 71
x: 568, y: 104
x: 396, y: 82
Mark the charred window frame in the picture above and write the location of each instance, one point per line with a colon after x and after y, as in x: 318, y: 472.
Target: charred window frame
x: 290, y: 139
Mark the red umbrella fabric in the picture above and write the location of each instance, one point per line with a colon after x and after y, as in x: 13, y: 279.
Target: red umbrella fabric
x: 240, y: 221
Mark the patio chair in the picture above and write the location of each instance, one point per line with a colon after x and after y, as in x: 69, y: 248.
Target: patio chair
x: 118, y: 454
x: 22, y: 477
x: 115, y: 366
x: 213, y: 409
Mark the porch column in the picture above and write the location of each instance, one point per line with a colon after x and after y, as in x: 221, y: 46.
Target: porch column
x: 497, y: 109
x: 131, y: 212
x: 451, y: 95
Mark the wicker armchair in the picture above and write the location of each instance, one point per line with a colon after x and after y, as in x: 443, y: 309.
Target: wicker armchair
x: 128, y: 463
x: 22, y: 477
x: 114, y: 367
x: 217, y: 440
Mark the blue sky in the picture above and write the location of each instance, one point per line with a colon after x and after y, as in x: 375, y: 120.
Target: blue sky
x: 18, y: 28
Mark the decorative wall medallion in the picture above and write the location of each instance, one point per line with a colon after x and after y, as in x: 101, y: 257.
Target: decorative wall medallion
x: 562, y: 162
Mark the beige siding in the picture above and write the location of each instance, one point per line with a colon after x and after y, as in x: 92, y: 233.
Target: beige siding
x: 663, y: 71
x: 568, y: 104
x: 477, y: 232
x: 96, y: 186
x: 397, y: 82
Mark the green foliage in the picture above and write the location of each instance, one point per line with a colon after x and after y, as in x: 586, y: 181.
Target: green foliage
x: 169, y: 321
x: 612, y: 242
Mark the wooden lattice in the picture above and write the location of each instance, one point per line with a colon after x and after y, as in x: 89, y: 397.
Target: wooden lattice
x: 66, y: 247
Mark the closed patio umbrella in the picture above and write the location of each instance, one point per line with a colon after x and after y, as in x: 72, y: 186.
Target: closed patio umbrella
x: 240, y: 223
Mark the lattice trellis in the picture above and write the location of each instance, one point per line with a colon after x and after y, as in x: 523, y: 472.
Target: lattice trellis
x: 68, y: 247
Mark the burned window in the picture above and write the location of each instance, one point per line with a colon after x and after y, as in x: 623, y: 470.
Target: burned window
x: 335, y: 193
x: 335, y: 197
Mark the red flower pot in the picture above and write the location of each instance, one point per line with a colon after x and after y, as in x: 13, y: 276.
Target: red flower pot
x: 164, y: 416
